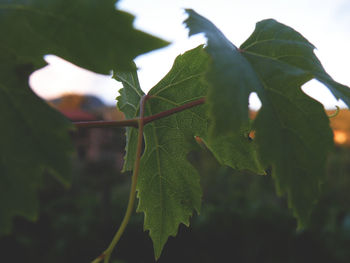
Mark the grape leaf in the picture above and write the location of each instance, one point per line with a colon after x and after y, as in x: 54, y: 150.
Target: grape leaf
x: 292, y: 130
x: 89, y: 33
x: 168, y: 186
x: 293, y: 133
x: 34, y: 138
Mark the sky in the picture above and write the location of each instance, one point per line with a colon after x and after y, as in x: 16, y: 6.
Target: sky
x: 326, y: 24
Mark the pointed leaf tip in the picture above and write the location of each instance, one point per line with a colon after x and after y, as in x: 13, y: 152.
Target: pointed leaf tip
x: 230, y: 76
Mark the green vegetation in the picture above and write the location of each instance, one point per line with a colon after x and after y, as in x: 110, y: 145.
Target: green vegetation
x: 204, y: 96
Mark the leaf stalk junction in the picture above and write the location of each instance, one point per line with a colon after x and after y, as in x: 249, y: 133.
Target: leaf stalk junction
x: 137, y: 123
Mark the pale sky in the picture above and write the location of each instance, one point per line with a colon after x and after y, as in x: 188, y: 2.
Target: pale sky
x: 326, y: 24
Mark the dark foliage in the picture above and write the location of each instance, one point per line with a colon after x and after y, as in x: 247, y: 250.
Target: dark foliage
x: 241, y: 219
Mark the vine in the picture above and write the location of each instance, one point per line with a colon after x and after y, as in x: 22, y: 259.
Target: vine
x: 139, y: 123
x: 205, y: 95
x: 107, y: 253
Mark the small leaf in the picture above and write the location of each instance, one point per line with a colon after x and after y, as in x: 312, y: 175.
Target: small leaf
x: 129, y: 104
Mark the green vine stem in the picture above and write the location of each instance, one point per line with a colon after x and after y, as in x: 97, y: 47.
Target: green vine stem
x: 137, y: 123
x: 107, y: 253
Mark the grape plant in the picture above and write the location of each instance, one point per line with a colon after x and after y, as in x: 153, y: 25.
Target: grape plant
x: 204, y: 97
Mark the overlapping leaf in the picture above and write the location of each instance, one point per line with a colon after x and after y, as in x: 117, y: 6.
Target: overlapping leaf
x: 292, y: 130
x: 228, y: 105
x: 236, y: 150
x: 33, y: 137
x: 279, y: 42
x: 292, y: 134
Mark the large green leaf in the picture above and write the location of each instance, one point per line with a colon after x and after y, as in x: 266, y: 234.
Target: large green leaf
x: 292, y: 130
x: 89, y: 33
x: 292, y: 135
x: 168, y: 186
x: 33, y: 137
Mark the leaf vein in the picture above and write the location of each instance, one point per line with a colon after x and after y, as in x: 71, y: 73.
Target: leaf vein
x: 177, y: 83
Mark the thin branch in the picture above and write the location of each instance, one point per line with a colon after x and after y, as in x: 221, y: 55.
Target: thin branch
x: 104, y: 124
x: 135, y: 122
x: 173, y: 110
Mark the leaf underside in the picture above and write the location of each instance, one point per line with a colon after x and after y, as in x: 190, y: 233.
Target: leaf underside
x: 33, y: 137
x: 292, y: 130
x: 236, y: 150
x: 168, y: 187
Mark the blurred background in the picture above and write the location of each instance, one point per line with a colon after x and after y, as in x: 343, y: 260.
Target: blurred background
x: 242, y: 219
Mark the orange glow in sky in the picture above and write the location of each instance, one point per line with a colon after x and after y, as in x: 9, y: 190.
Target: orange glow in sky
x: 340, y: 137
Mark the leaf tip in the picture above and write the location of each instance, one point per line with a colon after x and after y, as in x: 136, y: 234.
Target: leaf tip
x: 192, y: 22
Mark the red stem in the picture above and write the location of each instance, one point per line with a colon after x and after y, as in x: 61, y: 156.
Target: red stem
x: 134, y: 122
x: 173, y: 110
